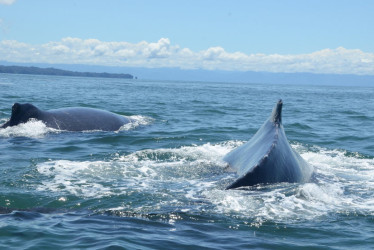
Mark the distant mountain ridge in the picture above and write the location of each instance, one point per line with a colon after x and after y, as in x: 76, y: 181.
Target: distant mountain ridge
x: 58, y: 72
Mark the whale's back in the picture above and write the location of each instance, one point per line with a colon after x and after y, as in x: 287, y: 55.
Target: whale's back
x: 268, y: 157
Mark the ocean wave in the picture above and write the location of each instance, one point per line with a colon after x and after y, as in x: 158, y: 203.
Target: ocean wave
x: 6, y: 83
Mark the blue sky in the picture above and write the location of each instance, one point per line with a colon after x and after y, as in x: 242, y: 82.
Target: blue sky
x: 282, y: 35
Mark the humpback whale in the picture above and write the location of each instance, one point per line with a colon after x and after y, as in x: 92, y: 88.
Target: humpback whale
x: 69, y: 119
x: 268, y: 157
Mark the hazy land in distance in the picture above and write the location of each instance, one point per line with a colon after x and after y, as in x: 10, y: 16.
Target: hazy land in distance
x: 202, y: 75
x: 32, y: 70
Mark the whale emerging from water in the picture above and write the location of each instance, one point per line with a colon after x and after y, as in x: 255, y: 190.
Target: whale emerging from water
x: 69, y: 119
x: 268, y: 157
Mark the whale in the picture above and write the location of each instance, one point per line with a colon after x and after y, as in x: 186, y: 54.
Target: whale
x: 68, y: 119
x: 268, y: 157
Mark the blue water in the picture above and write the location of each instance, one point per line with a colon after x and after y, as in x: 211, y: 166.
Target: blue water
x: 160, y: 181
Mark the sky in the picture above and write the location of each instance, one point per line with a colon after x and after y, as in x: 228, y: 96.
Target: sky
x: 317, y: 36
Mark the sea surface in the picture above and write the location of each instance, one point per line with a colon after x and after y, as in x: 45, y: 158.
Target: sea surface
x: 159, y: 182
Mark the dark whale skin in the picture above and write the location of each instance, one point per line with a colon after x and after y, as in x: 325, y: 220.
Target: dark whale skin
x: 69, y: 119
x: 268, y: 157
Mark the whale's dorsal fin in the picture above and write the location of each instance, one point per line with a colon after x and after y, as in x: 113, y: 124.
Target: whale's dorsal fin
x: 16, y: 107
x: 21, y: 113
x: 276, y: 116
x: 268, y: 157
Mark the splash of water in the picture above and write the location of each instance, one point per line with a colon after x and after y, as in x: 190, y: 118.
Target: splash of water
x: 32, y: 129
x: 182, y: 176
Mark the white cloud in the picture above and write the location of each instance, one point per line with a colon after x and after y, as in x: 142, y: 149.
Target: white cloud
x: 7, y: 2
x: 161, y: 49
x: 164, y: 54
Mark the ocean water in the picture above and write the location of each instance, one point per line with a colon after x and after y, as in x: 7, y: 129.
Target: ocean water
x: 159, y: 182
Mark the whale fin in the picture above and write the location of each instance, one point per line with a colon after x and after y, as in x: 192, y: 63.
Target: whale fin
x: 276, y: 116
x: 267, y: 157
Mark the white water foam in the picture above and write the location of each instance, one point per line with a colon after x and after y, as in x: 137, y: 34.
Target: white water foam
x: 136, y: 121
x: 77, y: 178
x: 180, y: 176
x: 345, y: 184
x: 32, y: 129
x: 145, y: 170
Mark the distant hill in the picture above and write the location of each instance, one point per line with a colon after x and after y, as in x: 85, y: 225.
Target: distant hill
x: 58, y: 72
